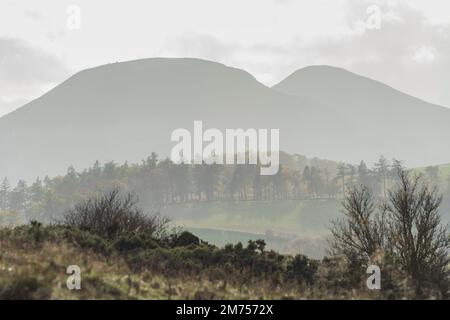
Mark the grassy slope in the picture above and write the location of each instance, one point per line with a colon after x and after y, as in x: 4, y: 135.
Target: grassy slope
x: 308, y: 217
x: 36, y: 269
x: 444, y: 171
x: 39, y: 272
x: 289, y: 226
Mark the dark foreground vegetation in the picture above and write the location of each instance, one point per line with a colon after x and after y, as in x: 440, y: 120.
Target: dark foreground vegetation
x: 126, y: 254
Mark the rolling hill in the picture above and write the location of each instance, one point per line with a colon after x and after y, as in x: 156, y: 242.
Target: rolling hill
x: 387, y: 121
x: 124, y: 111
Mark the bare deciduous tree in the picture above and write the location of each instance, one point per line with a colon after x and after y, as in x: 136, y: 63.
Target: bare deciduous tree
x: 362, y: 231
x: 111, y: 215
x: 416, y: 236
x: 407, y: 226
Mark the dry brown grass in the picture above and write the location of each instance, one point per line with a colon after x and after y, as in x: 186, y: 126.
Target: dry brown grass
x: 30, y: 271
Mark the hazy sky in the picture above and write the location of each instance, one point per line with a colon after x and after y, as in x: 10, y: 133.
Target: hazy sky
x: 268, y: 38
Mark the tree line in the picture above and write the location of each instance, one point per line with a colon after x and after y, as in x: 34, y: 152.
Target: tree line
x: 161, y: 182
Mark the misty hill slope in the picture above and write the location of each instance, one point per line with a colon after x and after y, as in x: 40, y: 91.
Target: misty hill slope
x: 353, y: 94
x: 124, y: 111
x: 388, y: 121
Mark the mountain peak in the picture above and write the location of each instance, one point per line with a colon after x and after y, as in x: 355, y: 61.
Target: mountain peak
x: 155, y: 77
x: 328, y: 77
x: 321, y: 68
x: 178, y: 70
x: 355, y: 93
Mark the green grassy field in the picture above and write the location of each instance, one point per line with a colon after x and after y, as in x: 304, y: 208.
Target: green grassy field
x: 299, y: 217
x: 287, y: 226
x: 444, y: 171
x: 313, y: 247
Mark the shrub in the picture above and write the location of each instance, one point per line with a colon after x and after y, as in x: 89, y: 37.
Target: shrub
x: 25, y: 287
x: 133, y: 242
x: 111, y: 216
x: 37, y: 232
x: 302, y: 269
x: 185, y: 239
x: 87, y: 240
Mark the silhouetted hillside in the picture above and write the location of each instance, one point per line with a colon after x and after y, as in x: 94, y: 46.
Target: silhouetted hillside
x: 123, y: 111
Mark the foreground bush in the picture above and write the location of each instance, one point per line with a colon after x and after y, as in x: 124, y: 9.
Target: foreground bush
x: 405, y: 229
x: 111, y: 215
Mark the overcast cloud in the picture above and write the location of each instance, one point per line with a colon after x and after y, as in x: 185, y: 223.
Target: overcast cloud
x: 26, y: 72
x: 268, y: 38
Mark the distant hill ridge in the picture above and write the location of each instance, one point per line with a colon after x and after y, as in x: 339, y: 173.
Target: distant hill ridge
x: 124, y: 111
